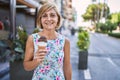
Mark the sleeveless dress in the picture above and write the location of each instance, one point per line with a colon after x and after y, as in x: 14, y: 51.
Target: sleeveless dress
x: 52, y: 65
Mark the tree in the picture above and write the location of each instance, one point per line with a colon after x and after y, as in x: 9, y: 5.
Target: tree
x: 95, y: 12
x: 115, y: 18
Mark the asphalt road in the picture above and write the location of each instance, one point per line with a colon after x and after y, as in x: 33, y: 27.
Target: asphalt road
x: 104, y: 57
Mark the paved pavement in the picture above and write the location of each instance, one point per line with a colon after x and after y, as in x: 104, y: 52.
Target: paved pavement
x: 76, y: 73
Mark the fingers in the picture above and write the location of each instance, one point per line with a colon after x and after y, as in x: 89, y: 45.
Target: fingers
x: 40, y: 55
x: 39, y: 58
x: 42, y: 51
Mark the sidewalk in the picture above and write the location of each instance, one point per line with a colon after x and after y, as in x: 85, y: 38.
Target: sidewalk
x: 74, y: 58
x: 76, y: 74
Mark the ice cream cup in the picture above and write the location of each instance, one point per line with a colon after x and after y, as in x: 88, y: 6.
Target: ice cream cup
x: 42, y: 45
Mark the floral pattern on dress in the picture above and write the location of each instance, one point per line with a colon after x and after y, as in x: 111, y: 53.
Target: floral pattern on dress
x: 52, y: 65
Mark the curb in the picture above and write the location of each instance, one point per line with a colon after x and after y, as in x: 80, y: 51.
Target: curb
x: 4, y: 69
x: 4, y: 72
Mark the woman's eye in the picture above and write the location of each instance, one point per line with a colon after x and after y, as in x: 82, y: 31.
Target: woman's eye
x: 44, y: 16
x: 52, y: 15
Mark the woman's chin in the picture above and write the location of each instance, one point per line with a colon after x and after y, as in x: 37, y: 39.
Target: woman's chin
x: 50, y: 29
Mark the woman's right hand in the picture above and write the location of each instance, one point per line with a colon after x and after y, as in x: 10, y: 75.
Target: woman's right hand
x: 40, y: 54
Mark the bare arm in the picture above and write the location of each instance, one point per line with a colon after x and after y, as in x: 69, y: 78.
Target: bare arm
x: 29, y: 63
x: 67, y: 66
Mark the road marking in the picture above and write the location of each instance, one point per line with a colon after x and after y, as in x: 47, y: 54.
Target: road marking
x: 109, y: 60
x: 87, y: 75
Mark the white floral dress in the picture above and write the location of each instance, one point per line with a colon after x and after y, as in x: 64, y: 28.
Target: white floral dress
x: 52, y: 66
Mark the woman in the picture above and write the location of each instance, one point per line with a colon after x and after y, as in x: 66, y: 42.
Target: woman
x: 54, y: 61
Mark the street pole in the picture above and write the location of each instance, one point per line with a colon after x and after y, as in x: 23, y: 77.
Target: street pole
x: 98, y: 11
x: 13, y: 18
x: 106, y: 9
x: 36, y: 11
x: 62, y: 8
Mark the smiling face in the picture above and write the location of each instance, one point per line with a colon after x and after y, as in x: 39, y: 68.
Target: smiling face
x: 49, y: 20
x: 49, y: 16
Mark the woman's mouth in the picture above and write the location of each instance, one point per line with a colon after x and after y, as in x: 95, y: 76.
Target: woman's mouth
x: 49, y: 23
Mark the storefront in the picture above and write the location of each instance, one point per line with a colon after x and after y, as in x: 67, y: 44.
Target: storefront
x: 20, y: 13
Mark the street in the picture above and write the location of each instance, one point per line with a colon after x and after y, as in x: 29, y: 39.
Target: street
x: 103, y: 60
x: 104, y: 57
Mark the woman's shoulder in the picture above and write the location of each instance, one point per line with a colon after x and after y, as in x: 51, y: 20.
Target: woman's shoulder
x: 61, y: 36
x: 32, y: 36
x: 35, y: 35
x: 66, y: 39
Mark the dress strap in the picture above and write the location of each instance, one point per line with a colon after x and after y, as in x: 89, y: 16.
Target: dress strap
x: 62, y: 37
x: 35, y: 38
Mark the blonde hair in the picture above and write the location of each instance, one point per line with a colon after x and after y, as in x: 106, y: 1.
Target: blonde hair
x: 47, y: 6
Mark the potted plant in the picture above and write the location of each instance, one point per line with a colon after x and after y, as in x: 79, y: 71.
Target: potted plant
x: 83, y: 45
x: 17, y: 71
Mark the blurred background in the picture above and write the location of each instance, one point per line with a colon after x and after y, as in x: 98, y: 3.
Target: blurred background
x: 92, y: 26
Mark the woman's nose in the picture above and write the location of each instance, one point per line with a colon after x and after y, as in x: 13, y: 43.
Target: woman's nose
x: 48, y: 18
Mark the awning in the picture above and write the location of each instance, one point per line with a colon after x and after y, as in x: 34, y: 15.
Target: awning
x: 29, y: 3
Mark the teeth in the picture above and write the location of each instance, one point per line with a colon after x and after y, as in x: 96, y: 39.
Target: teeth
x: 49, y: 23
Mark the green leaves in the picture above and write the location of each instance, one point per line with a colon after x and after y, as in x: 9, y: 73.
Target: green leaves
x: 95, y: 12
x: 19, y: 45
x: 83, y: 40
